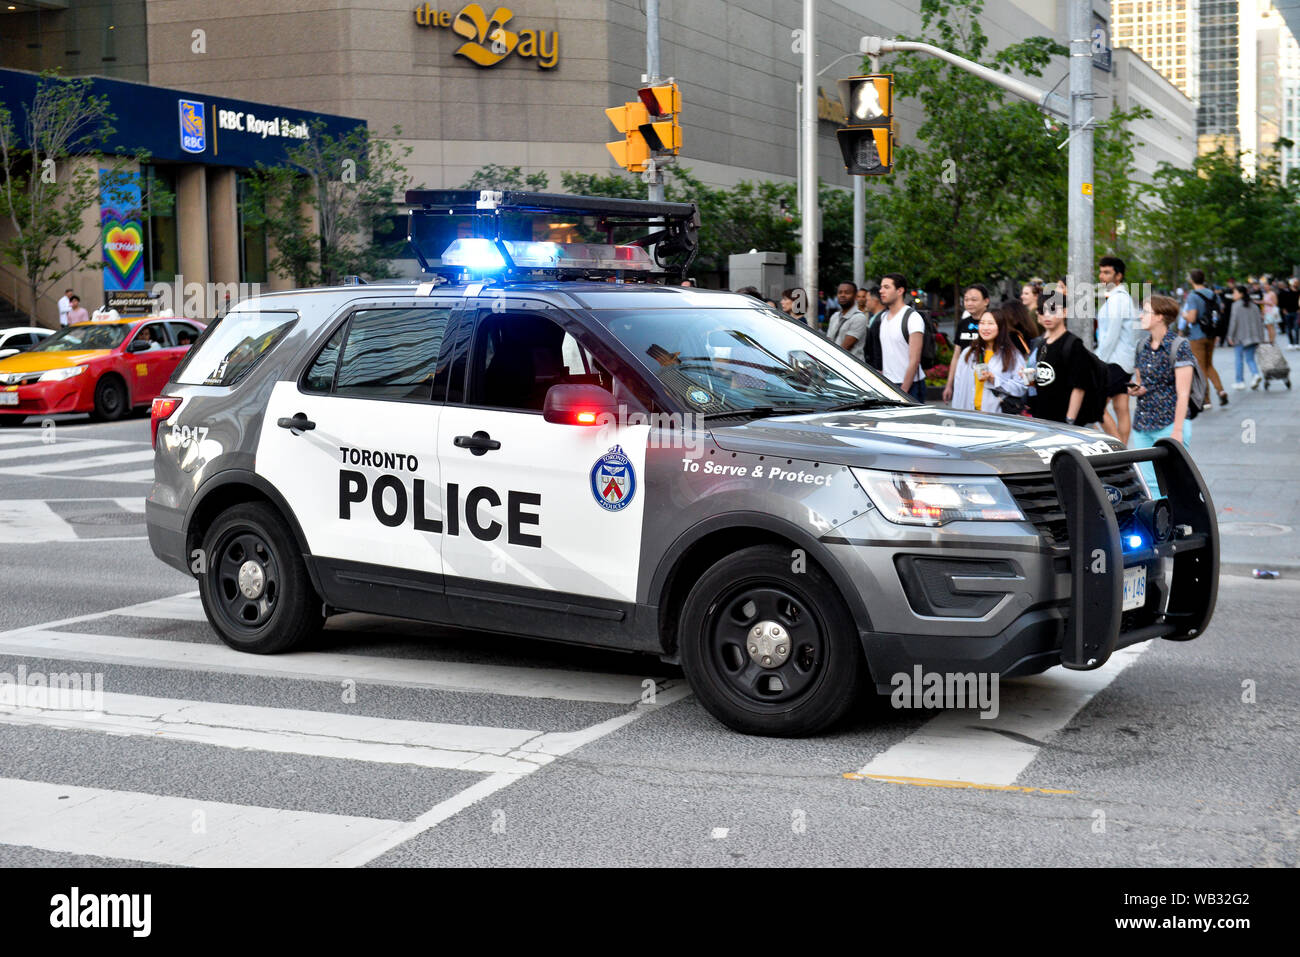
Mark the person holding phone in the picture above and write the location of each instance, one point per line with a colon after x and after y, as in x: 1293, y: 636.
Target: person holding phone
x: 1162, y: 381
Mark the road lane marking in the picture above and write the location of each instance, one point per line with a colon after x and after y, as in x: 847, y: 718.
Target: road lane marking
x: 93, y: 462
x: 132, y: 825
x: 28, y: 521
x: 558, y: 745
x: 960, y: 747
x: 322, y: 734
x: 188, y: 608
x: 58, y: 448
x: 507, y: 680
x: 932, y: 783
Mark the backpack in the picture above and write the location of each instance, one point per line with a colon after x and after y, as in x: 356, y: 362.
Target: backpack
x: 1196, y: 398
x: 927, y: 337
x: 1208, y: 318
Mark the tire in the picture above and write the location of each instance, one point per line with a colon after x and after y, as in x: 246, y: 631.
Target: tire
x: 111, y: 400
x: 250, y: 546
x: 823, y: 670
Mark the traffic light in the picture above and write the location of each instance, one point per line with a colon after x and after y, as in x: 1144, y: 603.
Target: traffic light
x: 632, y: 151
x: 867, y: 142
x: 650, y: 126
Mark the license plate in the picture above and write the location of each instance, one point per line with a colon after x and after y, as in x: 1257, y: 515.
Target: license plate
x: 8, y: 398
x: 1135, y: 587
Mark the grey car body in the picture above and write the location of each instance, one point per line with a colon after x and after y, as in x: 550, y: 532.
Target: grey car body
x: 988, y: 596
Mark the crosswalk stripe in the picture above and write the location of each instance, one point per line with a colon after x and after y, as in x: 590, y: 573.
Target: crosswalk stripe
x: 94, y: 461
x: 57, y: 448
x: 24, y: 521
x: 959, y: 745
x: 290, y: 731
x: 188, y: 608
x: 131, y: 825
x: 316, y: 666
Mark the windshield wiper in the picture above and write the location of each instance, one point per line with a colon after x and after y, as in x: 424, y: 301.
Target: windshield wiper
x: 760, y: 411
x: 866, y: 404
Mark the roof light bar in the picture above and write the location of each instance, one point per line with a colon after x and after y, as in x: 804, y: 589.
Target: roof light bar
x: 483, y: 255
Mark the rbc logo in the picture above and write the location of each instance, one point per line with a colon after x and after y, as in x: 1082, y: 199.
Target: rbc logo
x: 193, y: 128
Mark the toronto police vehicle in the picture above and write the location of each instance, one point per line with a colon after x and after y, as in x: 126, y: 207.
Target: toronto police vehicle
x: 549, y: 438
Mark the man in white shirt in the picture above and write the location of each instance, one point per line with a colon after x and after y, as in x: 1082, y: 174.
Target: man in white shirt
x: 65, y: 307
x: 847, y: 327
x: 1118, y: 333
x: 895, y: 354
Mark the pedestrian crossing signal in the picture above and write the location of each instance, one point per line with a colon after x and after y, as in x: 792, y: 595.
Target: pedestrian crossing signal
x: 867, y: 142
x: 650, y: 126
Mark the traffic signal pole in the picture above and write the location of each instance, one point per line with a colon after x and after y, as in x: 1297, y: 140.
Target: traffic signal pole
x: 1077, y: 110
x: 654, y: 174
x: 808, y: 172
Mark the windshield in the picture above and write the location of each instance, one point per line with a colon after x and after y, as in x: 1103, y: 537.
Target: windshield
x: 77, y: 338
x: 717, y: 361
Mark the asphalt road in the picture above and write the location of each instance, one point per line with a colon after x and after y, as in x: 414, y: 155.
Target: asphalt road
x: 394, y: 743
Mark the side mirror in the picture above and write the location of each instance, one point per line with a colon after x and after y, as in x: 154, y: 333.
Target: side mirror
x: 138, y: 345
x: 577, y: 404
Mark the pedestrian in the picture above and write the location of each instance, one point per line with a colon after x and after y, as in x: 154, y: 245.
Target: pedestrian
x: 1164, y: 366
x: 1245, y: 333
x: 895, y: 340
x: 1031, y: 295
x: 75, y: 312
x: 965, y: 331
x: 1023, y: 322
x: 870, y: 295
x: 689, y: 283
x: 1272, y: 315
x: 1058, y: 366
x: 1118, y: 333
x: 65, y: 306
x: 992, y: 368
x: 1198, y: 312
x: 847, y: 326
x: 1288, y: 299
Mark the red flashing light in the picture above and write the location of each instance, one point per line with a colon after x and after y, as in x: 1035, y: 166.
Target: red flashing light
x: 161, y: 410
x: 585, y: 418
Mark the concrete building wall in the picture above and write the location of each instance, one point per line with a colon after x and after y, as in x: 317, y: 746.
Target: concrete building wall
x: 1169, y: 134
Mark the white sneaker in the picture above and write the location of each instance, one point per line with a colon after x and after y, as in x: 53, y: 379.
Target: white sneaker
x: 1240, y: 386
x: 1254, y: 384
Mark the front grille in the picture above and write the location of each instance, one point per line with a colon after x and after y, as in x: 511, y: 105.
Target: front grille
x: 1037, y: 498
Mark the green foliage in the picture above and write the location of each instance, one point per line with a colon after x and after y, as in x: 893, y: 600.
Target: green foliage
x: 45, y: 193
x: 323, y: 207
x: 495, y: 176
x: 615, y: 185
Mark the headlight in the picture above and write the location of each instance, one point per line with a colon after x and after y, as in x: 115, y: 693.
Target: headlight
x: 58, y: 375
x: 912, y: 499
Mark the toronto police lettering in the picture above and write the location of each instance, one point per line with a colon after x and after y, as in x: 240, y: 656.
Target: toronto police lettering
x: 523, y: 509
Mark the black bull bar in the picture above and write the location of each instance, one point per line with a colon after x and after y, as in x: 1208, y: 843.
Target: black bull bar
x: 1097, y: 558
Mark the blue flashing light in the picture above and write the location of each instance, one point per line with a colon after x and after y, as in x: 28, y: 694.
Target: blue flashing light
x: 1135, y: 541
x: 480, y: 255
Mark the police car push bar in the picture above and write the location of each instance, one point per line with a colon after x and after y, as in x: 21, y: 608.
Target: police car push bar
x: 1181, y: 526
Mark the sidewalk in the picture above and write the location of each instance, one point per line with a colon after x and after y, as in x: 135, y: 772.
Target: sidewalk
x: 1249, y: 453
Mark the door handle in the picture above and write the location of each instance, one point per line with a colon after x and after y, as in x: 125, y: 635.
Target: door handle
x: 479, y: 443
x: 299, y: 423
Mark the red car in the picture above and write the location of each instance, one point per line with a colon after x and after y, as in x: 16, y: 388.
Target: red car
x: 104, y: 368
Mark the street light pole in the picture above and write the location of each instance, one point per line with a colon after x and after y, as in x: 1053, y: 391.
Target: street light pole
x: 808, y: 172
x: 654, y: 172
x: 1079, y: 262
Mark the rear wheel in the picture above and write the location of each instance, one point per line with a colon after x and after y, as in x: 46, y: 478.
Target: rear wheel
x: 255, y: 587
x: 768, y: 650
x: 111, y: 400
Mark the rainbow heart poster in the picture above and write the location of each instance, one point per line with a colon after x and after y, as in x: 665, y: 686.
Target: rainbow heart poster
x: 121, y: 231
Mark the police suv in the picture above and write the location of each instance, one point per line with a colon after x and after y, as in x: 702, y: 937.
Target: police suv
x: 546, y: 439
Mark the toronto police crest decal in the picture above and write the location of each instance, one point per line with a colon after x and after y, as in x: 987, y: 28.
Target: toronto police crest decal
x: 613, y: 480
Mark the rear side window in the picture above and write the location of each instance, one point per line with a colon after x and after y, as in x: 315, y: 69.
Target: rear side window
x: 382, y: 354
x: 231, y: 346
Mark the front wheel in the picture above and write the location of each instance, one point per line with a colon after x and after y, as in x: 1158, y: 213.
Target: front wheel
x: 254, y: 586
x: 769, y: 650
x: 111, y: 400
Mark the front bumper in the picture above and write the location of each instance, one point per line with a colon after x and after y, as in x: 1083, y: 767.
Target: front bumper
x: 45, y: 398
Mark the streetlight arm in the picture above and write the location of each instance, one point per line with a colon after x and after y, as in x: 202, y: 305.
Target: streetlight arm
x: 1044, y: 99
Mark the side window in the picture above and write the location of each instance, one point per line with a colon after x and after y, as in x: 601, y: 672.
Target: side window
x: 183, y: 334
x: 517, y: 357
x: 232, y: 346
x: 320, y: 375
x: 391, y: 353
x: 155, y: 332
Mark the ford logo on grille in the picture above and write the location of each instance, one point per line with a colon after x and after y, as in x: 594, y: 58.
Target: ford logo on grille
x: 1114, y: 495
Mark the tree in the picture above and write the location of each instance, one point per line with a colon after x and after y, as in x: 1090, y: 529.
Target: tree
x: 45, y: 194
x: 494, y: 176
x: 957, y: 196
x: 325, y: 206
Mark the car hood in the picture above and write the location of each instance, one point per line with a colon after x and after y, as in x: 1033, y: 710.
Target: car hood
x: 44, y: 361
x: 916, y: 439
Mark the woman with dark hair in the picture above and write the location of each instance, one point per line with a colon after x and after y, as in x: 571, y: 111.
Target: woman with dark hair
x: 990, y: 369
x: 1245, y: 333
x: 1023, y: 322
